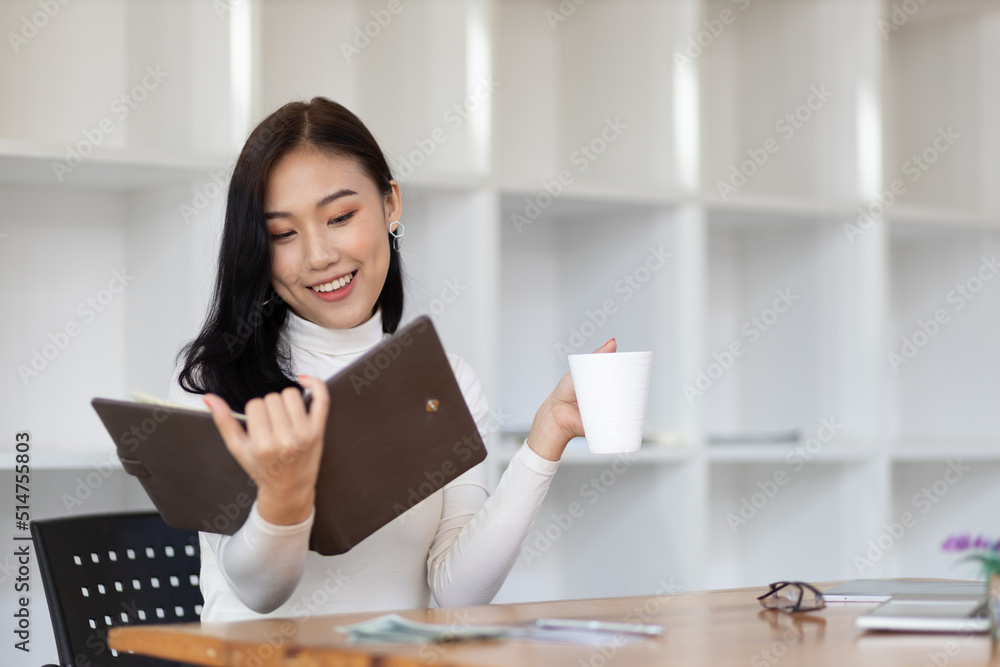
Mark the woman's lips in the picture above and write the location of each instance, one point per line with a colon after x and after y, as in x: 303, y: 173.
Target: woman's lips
x: 337, y: 294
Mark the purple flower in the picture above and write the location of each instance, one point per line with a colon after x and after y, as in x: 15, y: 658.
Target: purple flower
x: 966, y: 542
x: 956, y: 543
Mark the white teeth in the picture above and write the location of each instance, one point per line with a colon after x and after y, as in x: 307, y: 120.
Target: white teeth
x: 334, y: 284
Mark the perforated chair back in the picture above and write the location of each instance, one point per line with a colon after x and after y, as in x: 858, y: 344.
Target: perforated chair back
x: 115, y: 569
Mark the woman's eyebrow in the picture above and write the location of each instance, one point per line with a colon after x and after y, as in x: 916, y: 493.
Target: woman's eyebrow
x: 344, y: 192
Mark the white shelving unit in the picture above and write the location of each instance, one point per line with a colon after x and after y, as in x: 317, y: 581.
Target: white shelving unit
x: 561, y: 182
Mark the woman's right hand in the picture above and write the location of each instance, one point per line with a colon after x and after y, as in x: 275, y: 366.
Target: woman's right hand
x: 280, y: 448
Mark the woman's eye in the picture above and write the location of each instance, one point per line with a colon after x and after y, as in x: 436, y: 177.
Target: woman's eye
x: 278, y: 237
x: 342, y: 219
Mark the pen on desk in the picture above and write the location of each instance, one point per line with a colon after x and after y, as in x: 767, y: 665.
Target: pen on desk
x: 600, y: 626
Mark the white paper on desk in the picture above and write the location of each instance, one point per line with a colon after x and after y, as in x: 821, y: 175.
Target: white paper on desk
x: 394, y: 629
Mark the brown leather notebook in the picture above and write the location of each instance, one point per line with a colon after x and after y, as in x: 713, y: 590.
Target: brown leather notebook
x: 398, y: 430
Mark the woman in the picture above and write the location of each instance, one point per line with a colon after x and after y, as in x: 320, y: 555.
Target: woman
x: 309, y: 279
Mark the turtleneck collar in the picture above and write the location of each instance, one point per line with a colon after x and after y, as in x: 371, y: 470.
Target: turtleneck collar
x: 310, y: 336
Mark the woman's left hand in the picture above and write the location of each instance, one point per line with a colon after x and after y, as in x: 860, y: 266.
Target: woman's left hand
x: 558, y: 420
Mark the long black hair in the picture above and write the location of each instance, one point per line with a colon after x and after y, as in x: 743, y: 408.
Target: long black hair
x: 236, y: 355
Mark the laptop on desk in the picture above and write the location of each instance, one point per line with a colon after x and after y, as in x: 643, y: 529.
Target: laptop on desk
x: 917, y: 613
x: 881, y: 590
x: 917, y: 605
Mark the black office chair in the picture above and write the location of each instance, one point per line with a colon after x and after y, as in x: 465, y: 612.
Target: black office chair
x: 115, y: 569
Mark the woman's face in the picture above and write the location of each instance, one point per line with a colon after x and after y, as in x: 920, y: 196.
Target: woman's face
x: 328, y: 225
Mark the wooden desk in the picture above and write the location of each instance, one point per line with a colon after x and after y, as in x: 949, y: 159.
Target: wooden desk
x: 706, y: 628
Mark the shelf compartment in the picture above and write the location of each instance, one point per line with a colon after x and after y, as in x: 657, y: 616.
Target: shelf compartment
x: 941, y: 139
x: 941, y: 337
x: 577, y: 276
x: 770, y: 363
x: 136, y: 90
x: 431, y: 129
x: 943, y: 498
x: 449, y: 256
x: 642, y: 518
x: 107, y: 317
x: 568, y: 100
x: 772, y: 521
x: 775, y: 100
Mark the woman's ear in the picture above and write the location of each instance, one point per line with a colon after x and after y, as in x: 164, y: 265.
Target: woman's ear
x: 393, y: 204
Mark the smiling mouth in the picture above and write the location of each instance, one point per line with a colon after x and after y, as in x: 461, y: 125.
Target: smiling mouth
x: 334, y: 285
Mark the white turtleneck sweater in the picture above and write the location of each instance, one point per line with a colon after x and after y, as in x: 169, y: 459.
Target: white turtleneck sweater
x: 459, y: 544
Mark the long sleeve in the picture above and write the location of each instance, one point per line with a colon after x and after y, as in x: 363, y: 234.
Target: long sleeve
x: 457, y: 545
x: 257, y: 547
x: 479, y: 537
x: 260, y: 547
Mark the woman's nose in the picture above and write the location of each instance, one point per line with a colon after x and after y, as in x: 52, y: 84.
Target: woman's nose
x: 321, y: 252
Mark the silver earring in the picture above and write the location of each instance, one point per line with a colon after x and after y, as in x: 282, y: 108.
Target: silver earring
x: 396, y: 234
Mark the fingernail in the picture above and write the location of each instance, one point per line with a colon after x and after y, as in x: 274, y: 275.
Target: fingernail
x: 204, y: 400
x: 609, y: 340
